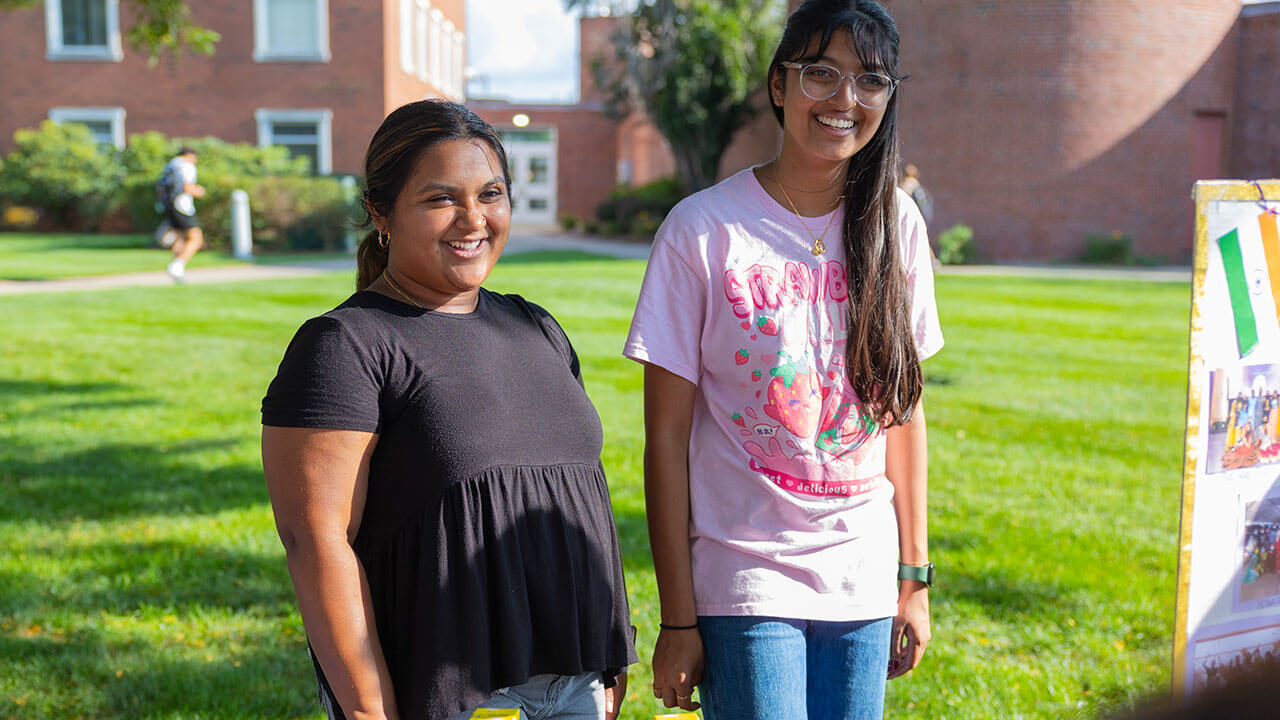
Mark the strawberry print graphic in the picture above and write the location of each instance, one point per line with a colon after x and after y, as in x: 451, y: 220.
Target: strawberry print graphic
x: 755, y: 375
x: 737, y: 420
x: 767, y: 326
x: 794, y: 401
x: 844, y: 426
x: 741, y: 356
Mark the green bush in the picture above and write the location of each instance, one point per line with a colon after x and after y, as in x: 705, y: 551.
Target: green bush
x: 145, y: 157
x: 955, y: 245
x: 298, y: 213
x: 569, y: 222
x: 61, y: 171
x: 643, y: 225
x: 652, y: 200
x: 1113, y: 249
x: 591, y: 227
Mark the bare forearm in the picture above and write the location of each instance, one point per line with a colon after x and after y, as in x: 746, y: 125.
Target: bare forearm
x: 668, y: 420
x: 666, y: 490
x: 907, y: 467
x: 334, y: 600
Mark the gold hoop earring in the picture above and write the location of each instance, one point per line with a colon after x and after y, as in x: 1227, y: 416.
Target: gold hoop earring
x: 384, y: 239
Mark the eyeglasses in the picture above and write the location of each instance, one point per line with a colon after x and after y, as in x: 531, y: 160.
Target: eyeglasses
x: 819, y: 82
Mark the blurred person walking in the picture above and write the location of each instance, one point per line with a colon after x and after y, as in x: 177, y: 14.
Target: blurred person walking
x: 176, y: 192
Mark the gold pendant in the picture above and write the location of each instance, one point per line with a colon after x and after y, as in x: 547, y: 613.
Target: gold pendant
x: 818, y: 247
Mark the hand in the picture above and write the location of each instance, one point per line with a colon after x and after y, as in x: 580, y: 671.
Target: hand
x: 911, y: 632
x: 614, y: 696
x: 197, y: 191
x: 678, y: 660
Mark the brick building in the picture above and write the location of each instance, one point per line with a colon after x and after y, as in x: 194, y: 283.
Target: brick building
x: 314, y: 75
x: 1039, y: 122
x: 1036, y: 122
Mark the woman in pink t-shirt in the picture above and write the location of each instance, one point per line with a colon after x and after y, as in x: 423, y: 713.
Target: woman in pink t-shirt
x: 782, y: 322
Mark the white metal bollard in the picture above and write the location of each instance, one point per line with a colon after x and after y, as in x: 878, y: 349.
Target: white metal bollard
x: 241, y: 237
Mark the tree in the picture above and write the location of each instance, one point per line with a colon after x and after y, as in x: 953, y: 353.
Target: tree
x: 693, y: 66
x: 159, y: 26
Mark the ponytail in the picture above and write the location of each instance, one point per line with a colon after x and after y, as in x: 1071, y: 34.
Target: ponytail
x: 371, y: 260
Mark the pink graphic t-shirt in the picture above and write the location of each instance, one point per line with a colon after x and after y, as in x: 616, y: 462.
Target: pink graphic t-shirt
x: 792, y: 515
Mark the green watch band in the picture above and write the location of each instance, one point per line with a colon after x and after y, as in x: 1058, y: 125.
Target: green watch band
x: 919, y: 573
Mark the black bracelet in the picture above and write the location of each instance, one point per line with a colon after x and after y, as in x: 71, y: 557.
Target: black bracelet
x: 665, y: 626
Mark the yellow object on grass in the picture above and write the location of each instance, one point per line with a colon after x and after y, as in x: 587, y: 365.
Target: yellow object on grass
x: 676, y: 716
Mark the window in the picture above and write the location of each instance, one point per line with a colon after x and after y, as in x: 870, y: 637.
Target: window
x: 431, y: 48
x: 83, y: 29
x: 408, y: 23
x: 106, y: 123
x: 291, y: 30
x: 457, y: 82
x: 302, y: 132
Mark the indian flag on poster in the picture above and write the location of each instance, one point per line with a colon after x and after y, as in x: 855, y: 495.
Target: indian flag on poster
x: 1250, y: 255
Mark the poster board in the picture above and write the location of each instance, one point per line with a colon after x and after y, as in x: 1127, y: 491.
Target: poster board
x: 1227, y: 609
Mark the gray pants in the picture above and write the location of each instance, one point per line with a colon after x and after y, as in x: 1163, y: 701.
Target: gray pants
x: 550, y: 697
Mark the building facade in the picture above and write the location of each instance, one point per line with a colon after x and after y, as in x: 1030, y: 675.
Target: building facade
x: 316, y: 76
x: 1042, y: 122
x: 1039, y: 123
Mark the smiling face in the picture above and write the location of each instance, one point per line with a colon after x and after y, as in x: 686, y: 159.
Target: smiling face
x: 448, y: 225
x: 831, y: 130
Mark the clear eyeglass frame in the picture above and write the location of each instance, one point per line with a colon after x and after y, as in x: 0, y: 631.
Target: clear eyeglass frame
x: 890, y: 83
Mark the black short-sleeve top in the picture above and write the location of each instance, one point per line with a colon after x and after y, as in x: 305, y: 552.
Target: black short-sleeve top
x: 487, y: 535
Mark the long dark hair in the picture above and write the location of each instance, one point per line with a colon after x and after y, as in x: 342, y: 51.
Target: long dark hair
x: 408, y: 132
x: 881, y: 360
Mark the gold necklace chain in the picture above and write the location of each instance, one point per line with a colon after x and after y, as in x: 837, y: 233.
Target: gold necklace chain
x: 818, y: 247
x: 403, y: 294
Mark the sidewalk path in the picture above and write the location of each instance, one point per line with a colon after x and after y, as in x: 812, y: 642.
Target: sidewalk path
x: 625, y: 249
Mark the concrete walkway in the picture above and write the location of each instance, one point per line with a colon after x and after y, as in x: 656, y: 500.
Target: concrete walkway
x: 624, y: 249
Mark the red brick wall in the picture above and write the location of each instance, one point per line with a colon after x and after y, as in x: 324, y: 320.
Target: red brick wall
x: 586, y: 153
x: 1041, y: 121
x: 1256, y: 132
x: 595, y: 43
x: 214, y: 95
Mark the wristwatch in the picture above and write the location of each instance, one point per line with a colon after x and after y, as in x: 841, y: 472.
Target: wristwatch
x: 920, y: 573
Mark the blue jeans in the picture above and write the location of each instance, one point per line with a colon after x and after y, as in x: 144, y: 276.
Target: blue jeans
x: 762, y: 668
x: 544, y: 697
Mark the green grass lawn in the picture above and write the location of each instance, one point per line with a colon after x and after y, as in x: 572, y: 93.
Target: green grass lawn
x: 49, y: 256
x: 142, y: 576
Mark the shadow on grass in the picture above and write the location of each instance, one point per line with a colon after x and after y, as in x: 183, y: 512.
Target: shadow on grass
x: 102, y: 675
x: 121, y: 480
x: 43, y: 480
x: 124, y: 577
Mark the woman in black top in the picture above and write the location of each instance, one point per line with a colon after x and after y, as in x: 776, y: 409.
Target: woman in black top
x: 434, y: 463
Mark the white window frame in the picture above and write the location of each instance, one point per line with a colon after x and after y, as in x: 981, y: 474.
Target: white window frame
x: 446, y: 59
x: 434, y: 41
x: 56, y: 50
x: 407, y: 8
x: 323, y: 118
x: 459, y: 80
x: 421, y: 23
x: 113, y: 115
x: 262, y: 51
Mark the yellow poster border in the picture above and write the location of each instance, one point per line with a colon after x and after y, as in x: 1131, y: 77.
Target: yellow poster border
x: 1205, y: 192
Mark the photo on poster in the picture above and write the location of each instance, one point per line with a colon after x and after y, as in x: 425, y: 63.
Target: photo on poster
x: 1222, y: 651
x: 1244, y: 418
x: 1257, y: 579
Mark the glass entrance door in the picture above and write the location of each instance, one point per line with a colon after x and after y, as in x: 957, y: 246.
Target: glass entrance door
x: 532, y: 154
